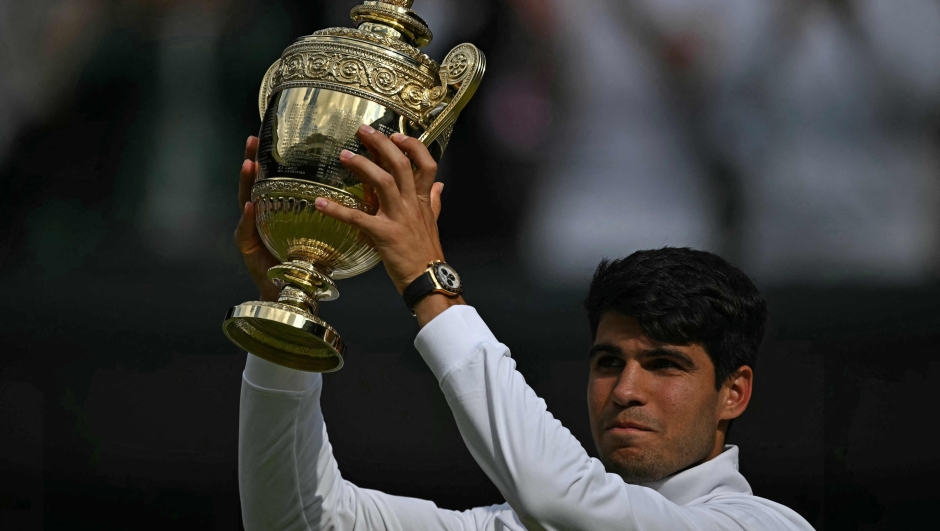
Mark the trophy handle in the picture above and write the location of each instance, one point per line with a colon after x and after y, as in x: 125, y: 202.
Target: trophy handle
x: 267, y: 86
x: 463, y: 70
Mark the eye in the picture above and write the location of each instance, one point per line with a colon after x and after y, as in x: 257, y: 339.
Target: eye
x: 608, y: 362
x: 663, y: 363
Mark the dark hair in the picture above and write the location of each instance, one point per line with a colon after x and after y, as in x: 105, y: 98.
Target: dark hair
x: 682, y: 296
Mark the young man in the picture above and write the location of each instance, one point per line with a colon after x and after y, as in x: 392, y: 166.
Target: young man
x: 675, y: 334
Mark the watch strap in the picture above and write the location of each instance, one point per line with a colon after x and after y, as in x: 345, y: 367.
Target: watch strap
x: 418, y: 289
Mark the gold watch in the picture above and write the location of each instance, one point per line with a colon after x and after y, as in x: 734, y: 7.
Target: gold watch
x: 439, y: 277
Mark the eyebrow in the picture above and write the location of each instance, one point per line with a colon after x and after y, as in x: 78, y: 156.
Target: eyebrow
x: 657, y: 352
x: 605, y: 348
x: 668, y: 352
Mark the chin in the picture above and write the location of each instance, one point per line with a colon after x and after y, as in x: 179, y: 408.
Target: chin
x: 637, y: 465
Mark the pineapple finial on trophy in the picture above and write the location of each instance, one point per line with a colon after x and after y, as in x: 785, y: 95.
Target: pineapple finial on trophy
x: 393, y: 18
x: 401, y: 3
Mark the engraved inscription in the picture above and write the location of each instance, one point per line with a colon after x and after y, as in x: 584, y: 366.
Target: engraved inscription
x: 305, y: 129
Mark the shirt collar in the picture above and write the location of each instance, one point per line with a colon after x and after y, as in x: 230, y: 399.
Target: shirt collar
x: 716, y: 476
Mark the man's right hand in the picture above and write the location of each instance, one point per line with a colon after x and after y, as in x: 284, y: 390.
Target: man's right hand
x: 257, y: 257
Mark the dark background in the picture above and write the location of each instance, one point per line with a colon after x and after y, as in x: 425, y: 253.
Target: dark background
x: 119, y: 393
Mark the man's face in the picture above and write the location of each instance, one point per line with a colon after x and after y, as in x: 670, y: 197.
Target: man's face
x: 654, y: 408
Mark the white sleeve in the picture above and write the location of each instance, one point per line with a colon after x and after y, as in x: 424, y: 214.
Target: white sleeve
x: 289, y: 481
x: 540, y: 468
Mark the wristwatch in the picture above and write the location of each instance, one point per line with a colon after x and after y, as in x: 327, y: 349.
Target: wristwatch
x: 438, y: 278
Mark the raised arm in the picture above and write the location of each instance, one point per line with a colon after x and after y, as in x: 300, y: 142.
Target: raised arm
x: 289, y: 480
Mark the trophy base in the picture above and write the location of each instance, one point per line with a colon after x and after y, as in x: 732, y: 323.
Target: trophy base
x: 285, y: 335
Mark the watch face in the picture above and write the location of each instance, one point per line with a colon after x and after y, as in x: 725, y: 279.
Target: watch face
x: 447, y: 277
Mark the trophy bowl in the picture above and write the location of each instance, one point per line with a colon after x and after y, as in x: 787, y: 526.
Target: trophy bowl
x: 312, y: 102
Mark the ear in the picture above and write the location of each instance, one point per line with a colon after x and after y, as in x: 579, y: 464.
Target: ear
x: 736, y: 393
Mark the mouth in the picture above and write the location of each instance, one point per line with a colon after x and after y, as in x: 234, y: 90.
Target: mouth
x: 627, y: 428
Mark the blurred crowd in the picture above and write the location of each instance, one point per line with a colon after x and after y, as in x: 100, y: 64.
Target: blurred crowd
x: 798, y: 138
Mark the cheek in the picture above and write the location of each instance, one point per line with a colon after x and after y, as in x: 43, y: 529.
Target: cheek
x: 598, y: 390
x: 683, y: 402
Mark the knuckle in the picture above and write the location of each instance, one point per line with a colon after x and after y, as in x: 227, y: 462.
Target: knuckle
x: 342, y: 211
x: 401, y: 164
x: 384, y: 180
x: 419, y: 147
x: 361, y: 221
x: 356, y: 217
x: 412, y: 145
x: 342, y: 217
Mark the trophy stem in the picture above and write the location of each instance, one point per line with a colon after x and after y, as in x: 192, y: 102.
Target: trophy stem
x: 303, y: 284
x: 288, y: 332
x: 297, y: 297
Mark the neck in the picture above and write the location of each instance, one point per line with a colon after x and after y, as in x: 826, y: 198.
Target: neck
x: 719, y: 441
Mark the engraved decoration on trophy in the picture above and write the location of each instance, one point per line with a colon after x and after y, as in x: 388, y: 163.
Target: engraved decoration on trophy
x: 312, y: 102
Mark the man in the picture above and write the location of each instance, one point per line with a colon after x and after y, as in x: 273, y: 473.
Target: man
x: 675, y: 334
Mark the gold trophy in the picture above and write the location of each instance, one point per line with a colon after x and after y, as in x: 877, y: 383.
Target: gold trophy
x: 312, y: 102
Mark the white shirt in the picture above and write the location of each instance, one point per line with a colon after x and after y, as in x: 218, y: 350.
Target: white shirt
x: 289, y: 480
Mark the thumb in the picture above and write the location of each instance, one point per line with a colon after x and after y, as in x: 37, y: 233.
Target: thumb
x: 246, y: 235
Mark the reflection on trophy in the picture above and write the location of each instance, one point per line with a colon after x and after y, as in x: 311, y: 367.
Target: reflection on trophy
x: 312, y: 102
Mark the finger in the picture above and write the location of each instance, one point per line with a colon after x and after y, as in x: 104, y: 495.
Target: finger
x: 251, y: 148
x: 246, y: 235
x: 350, y: 216
x: 375, y: 157
x: 425, y: 165
x: 370, y: 197
x: 256, y: 255
x: 383, y: 183
x: 245, y: 179
x: 436, y: 190
x: 393, y: 159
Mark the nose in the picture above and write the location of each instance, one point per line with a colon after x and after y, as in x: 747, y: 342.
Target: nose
x: 630, y: 390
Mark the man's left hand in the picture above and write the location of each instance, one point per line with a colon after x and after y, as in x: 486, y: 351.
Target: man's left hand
x: 404, y: 229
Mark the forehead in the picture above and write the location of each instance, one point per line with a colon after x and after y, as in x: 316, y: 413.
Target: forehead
x: 625, y: 333
x: 616, y: 328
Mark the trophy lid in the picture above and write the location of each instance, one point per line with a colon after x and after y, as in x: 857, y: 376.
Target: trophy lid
x: 393, y: 18
x: 380, y: 60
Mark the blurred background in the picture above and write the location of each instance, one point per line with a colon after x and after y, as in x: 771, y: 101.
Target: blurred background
x: 800, y: 139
